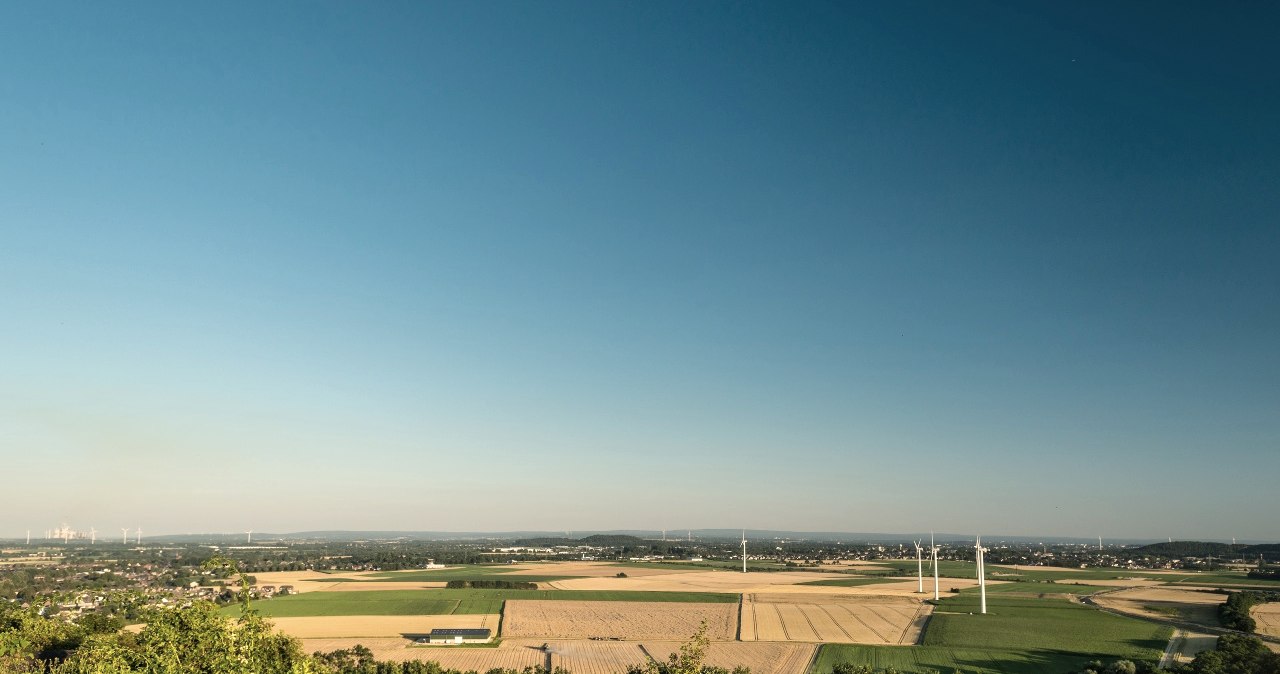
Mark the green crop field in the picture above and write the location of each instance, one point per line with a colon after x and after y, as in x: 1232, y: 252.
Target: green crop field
x: 710, y: 565
x: 1032, y: 587
x: 1019, y: 635
x: 444, y: 602
x: 468, y: 572
x: 944, y: 659
x: 853, y: 582
x: 962, y: 569
x: 1221, y: 579
x: 907, y: 568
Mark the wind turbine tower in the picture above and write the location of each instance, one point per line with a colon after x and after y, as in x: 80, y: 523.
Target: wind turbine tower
x: 248, y: 537
x: 919, y: 569
x: 982, y: 573
x: 93, y: 536
x: 124, y: 535
x: 934, y: 562
x: 1099, y: 543
x: 139, y: 535
x: 28, y: 537
x: 744, y: 550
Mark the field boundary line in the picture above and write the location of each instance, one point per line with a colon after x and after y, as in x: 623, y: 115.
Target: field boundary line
x: 647, y: 654
x: 923, y: 625
x: 738, y: 633
x: 813, y: 659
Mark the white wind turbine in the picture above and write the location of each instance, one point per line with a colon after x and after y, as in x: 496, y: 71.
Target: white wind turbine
x: 248, y: 537
x: 919, y: 569
x: 124, y: 535
x: 93, y: 535
x: 982, y: 572
x: 934, y: 562
x: 139, y: 535
x: 744, y: 550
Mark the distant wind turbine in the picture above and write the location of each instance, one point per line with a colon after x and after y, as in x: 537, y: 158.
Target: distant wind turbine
x: 139, y: 535
x: 93, y: 535
x: 919, y: 569
x: 744, y: 550
x: 124, y: 535
x: 248, y: 537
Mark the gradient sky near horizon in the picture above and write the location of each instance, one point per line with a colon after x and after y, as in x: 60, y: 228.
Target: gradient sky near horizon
x: 1009, y: 268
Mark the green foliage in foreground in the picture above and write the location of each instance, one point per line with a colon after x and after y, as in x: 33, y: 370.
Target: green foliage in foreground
x: 1234, y: 614
x: 195, y: 639
x: 689, y: 660
x: 445, y: 601
x: 200, y: 640
x: 1017, y: 636
x: 1235, y: 654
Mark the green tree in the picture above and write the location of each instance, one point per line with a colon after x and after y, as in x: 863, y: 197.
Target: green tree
x: 1235, y: 654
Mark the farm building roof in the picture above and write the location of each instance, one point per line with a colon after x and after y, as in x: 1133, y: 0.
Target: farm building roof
x: 460, y: 632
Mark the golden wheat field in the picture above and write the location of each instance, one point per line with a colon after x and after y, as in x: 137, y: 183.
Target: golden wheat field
x: 588, y: 569
x: 466, y: 659
x: 832, y: 618
x: 1268, y: 618
x: 594, y: 657
x: 762, y: 657
x: 355, y: 626
x: 616, y: 619
x: 1162, y: 603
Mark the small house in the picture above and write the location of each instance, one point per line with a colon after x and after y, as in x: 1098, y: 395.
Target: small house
x: 460, y: 635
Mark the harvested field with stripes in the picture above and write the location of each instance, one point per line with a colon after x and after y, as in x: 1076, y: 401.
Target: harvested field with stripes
x: 762, y: 657
x: 1268, y: 618
x: 594, y: 657
x: 616, y: 619
x: 465, y: 659
x: 835, y: 618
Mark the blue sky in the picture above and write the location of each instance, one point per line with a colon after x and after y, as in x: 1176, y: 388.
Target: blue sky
x: 863, y: 267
